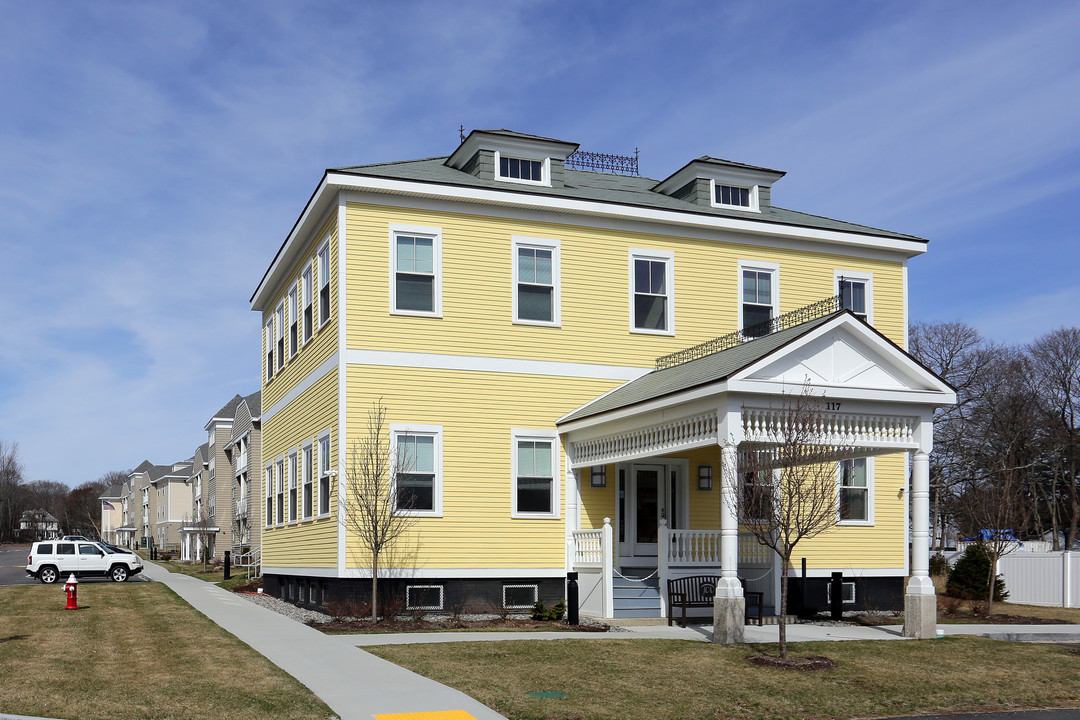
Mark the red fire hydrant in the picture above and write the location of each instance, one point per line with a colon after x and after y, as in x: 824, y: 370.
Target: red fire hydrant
x: 71, y: 587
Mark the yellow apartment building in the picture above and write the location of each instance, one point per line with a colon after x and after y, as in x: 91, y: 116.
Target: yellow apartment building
x: 571, y: 359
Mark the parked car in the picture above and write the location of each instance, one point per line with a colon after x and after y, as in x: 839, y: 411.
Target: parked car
x: 51, y: 560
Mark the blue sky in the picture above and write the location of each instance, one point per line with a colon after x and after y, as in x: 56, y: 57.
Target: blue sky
x: 153, y: 156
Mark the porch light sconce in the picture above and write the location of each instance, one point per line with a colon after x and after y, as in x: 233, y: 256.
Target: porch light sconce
x: 598, y: 476
x: 704, y: 477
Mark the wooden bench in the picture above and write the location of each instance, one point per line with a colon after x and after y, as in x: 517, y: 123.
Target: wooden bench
x: 697, y: 591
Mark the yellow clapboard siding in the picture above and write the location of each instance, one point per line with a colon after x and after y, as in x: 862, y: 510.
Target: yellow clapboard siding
x: 477, y: 411
x: 324, y: 340
x: 312, y: 543
x: 478, y: 287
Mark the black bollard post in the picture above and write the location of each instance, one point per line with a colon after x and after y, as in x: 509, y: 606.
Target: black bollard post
x: 804, y: 611
x: 837, y: 592
x: 228, y: 567
x: 571, y: 599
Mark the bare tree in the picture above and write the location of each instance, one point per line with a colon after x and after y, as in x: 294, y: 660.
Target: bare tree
x: 376, y: 501
x: 1055, y: 359
x: 789, y: 484
x: 1003, y: 452
x: 12, y: 501
x: 957, y: 353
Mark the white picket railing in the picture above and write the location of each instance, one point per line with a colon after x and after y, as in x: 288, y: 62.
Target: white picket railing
x: 588, y: 548
x: 702, y: 548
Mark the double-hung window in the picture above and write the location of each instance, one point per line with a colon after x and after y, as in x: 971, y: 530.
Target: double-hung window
x: 758, y: 297
x: 305, y: 282
x: 308, y: 471
x: 279, y: 476
x: 856, y: 291
x: 324, y: 474
x: 279, y: 334
x: 652, y: 277
x: 292, y: 487
x: 324, y: 284
x: 854, y: 497
x: 294, y: 339
x: 270, y: 349
x: 535, y: 487
x: 536, y: 281
x: 418, y: 469
x: 416, y: 283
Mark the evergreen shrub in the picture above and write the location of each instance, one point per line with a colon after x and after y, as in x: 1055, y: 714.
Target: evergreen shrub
x: 970, y: 577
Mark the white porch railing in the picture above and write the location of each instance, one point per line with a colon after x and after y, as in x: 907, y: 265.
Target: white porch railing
x: 591, y: 554
x: 702, y: 548
x: 842, y: 429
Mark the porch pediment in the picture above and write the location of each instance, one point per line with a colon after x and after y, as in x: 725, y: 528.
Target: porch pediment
x: 886, y: 395
x: 846, y: 355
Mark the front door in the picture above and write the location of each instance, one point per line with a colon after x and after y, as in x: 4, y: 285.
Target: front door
x: 656, y: 493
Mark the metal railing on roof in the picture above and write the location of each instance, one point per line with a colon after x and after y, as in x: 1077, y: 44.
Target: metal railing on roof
x: 812, y: 311
x: 603, y: 162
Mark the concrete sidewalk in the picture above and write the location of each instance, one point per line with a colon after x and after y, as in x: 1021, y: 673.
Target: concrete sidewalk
x: 355, y: 684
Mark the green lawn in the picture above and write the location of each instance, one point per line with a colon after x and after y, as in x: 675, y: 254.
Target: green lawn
x: 678, y: 680
x: 136, y: 651
x: 214, y: 574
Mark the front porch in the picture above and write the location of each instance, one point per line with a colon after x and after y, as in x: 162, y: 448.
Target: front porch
x: 875, y: 402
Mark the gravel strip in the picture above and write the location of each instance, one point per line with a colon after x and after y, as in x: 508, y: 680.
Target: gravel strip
x: 304, y: 616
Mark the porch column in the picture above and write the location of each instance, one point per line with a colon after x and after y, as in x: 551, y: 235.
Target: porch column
x: 729, y: 605
x: 920, y: 600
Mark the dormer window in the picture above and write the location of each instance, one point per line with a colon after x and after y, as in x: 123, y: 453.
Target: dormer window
x: 518, y: 169
x: 521, y: 169
x: 732, y: 196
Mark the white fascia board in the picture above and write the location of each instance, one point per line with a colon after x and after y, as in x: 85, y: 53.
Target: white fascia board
x: 942, y: 393
x: 283, y: 259
x: 593, y: 207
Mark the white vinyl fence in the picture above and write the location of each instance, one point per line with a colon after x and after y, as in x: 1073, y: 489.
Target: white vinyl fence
x: 1035, y: 578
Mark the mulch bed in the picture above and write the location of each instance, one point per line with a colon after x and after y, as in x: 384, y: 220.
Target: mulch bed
x: 799, y: 664
x: 400, y: 625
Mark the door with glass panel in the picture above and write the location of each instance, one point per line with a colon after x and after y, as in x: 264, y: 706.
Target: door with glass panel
x: 656, y: 494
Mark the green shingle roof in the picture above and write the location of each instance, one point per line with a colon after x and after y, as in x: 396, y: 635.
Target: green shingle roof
x: 709, y: 369
x: 606, y: 188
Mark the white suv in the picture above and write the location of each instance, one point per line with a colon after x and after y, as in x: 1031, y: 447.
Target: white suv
x: 54, y: 560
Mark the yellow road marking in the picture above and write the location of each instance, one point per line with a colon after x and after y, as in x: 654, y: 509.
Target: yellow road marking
x: 435, y: 715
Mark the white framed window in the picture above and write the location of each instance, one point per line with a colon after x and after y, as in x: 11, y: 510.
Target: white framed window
x: 279, y: 492
x: 279, y: 334
x: 522, y: 167
x: 520, y: 596
x: 324, y: 473
x: 294, y: 329
x: 292, y: 486
x: 534, y: 460
x: 306, y: 299
x: 270, y: 349
x: 268, y: 486
x: 424, y: 597
x: 415, y: 270
x: 759, y: 296
x: 536, y: 281
x: 652, y: 291
x: 324, y: 283
x: 733, y: 196
x: 855, y: 493
x: 417, y: 450
x: 308, y: 472
x: 856, y: 291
